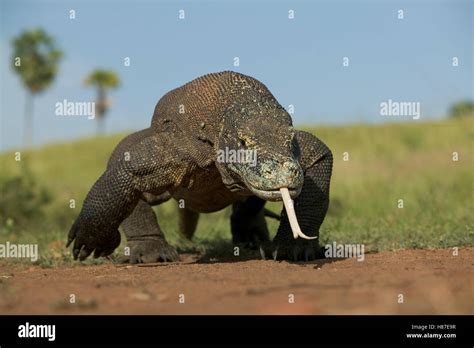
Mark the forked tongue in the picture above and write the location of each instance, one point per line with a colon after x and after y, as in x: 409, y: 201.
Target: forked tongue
x: 290, y: 211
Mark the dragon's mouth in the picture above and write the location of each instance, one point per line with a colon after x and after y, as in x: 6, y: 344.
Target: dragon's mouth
x: 273, y: 195
x: 266, y: 194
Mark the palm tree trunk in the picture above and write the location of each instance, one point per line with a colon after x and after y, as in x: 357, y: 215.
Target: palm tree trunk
x: 101, y: 99
x: 28, y: 120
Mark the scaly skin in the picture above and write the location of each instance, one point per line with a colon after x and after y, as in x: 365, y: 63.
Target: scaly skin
x: 178, y: 156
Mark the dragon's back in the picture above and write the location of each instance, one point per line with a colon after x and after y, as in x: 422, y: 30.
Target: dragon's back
x: 198, y: 106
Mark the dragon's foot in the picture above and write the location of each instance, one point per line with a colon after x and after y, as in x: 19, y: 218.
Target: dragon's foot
x: 148, y: 250
x: 293, y: 250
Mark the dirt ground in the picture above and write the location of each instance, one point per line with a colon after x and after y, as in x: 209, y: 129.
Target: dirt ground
x: 430, y: 281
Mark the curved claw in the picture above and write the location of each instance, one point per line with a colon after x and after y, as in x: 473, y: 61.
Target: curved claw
x: 262, y: 253
x: 275, y: 254
x: 290, y: 211
x: 72, y: 234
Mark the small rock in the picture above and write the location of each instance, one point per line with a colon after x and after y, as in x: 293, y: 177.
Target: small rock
x: 142, y: 296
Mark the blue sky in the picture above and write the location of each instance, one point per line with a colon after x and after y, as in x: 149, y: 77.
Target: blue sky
x: 300, y: 60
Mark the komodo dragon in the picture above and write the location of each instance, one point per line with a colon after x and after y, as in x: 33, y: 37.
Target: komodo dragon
x: 179, y: 156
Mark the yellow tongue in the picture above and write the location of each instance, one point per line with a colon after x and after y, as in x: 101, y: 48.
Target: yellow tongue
x: 290, y: 211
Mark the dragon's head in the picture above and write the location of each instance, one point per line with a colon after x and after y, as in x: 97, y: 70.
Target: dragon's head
x: 257, y: 152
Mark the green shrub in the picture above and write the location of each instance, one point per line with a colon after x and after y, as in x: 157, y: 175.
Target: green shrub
x: 461, y: 109
x: 21, y: 199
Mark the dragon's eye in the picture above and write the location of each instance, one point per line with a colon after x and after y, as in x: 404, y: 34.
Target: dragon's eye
x: 242, y: 142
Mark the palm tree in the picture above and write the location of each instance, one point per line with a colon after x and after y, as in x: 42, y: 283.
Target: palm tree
x: 35, y: 60
x: 103, y: 80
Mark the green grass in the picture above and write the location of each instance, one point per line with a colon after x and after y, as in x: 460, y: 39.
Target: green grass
x: 410, y: 161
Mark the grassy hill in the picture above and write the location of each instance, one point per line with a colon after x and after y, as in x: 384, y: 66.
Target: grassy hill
x: 386, y: 163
